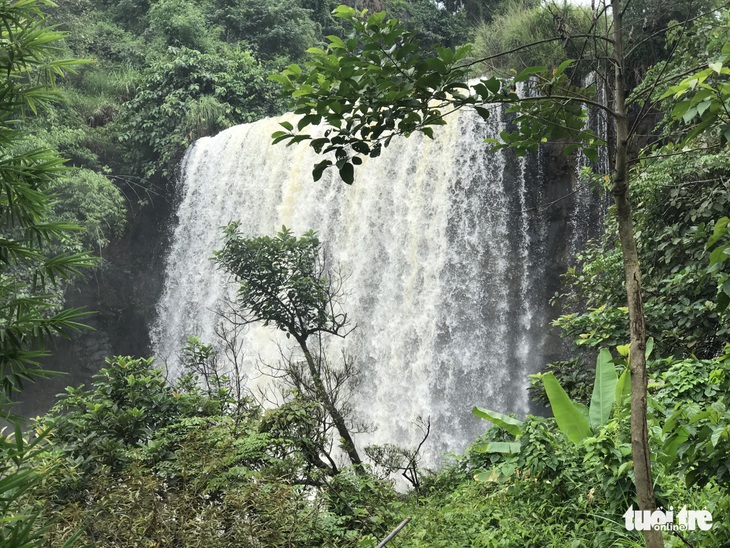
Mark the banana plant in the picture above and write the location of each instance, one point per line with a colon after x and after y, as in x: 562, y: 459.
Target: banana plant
x: 572, y: 420
x: 570, y: 417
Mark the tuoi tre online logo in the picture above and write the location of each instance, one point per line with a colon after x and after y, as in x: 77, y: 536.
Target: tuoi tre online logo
x: 660, y: 520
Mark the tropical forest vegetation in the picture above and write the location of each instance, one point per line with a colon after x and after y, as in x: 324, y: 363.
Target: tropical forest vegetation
x: 98, y: 104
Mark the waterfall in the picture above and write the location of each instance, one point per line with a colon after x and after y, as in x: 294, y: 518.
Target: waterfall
x: 450, y: 262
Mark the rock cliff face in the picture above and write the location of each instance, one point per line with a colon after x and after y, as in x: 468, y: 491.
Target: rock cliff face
x: 123, y: 293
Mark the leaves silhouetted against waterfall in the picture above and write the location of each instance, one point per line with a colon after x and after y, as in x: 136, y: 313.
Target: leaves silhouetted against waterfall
x: 285, y: 281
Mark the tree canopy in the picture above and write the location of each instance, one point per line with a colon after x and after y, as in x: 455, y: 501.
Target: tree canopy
x: 286, y: 281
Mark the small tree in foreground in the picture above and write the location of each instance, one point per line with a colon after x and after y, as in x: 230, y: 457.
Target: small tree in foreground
x: 285, y: 282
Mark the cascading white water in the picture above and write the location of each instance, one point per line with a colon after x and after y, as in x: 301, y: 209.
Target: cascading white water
x: 446, y: 251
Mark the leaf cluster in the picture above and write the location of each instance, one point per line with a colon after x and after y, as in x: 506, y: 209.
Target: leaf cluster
x: 530, y: 463
x: 685, y: 87
x: 188, y: 96
x: 368, y: 87
x: 693, y: 396
x: 282, y: 281
x: 379, y: 83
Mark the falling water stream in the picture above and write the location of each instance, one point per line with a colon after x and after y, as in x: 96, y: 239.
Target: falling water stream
x: 449, y: 256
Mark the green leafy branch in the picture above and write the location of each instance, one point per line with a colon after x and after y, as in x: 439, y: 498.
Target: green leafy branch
x: 377, y: 83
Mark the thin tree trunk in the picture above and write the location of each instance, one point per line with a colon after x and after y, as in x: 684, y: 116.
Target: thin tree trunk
x: 324, y: 398
x: 637, y: 358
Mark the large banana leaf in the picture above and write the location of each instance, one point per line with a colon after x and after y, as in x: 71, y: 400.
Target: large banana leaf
x: 569, y: 418
x: 510, y: 424
x: 604, y: 390
x: 623, y: 387
x: 505, y: 447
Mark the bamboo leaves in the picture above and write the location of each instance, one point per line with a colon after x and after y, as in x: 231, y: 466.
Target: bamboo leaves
x: 30, y: 275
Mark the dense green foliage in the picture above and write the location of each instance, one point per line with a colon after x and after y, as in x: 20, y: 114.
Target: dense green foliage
x: 144, y: 462
x: 681, y: 200
x: 166, y: 72
x: 30, y: 274
x: 520, y: 23
x: 188, y: 96
x: 678, y: 202
x: 163, y: 74
x: 36, y: 258
x: 135, y: 460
